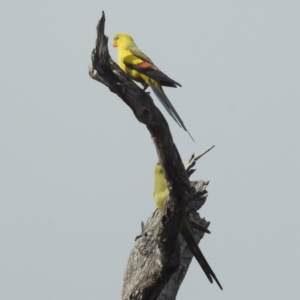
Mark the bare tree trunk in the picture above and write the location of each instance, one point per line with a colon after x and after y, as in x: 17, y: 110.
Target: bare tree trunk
x: 159, y: 259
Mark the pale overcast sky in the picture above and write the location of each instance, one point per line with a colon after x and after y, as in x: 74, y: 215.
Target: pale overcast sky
x: 77, y: 167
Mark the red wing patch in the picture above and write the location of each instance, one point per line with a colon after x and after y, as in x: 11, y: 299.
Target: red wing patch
x: 145, y: 64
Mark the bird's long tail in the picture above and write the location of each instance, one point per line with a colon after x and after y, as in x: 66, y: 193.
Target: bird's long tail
x: 187, y: 233
x: 158, y: 91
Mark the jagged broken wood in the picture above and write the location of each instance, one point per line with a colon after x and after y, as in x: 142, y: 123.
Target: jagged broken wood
x: 156, y: 253
x: 145, y: 246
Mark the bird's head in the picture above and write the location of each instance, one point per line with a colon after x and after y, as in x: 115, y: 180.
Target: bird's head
x: 122, y: 39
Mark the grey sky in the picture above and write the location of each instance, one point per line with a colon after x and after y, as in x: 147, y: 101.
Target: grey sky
x: 77, y: 167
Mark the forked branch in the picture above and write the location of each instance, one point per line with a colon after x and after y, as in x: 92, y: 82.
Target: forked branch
x: 156, y: 253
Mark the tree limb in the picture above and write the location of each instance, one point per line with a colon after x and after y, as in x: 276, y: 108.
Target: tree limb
x: 156, y: 253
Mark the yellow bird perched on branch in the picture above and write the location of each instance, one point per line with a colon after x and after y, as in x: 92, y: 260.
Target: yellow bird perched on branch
x: 160, y: 196
x: 141, y: 68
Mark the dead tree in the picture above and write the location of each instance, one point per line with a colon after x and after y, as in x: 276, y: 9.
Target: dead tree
x: 160, y: 258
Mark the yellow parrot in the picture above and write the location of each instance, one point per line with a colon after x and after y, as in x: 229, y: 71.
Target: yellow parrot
x: 141, y: 68
x: 160, y: 195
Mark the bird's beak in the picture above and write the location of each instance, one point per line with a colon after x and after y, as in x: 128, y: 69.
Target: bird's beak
x: 114, y: 44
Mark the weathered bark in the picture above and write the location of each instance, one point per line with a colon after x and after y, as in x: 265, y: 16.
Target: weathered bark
x: 145, y: 253
x: 156, y: 253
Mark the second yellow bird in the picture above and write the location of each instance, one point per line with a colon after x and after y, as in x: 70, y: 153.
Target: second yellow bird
x: 141, y: 68
x: 160, y: 196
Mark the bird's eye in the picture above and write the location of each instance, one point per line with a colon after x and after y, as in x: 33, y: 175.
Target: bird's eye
x: 117, y: 38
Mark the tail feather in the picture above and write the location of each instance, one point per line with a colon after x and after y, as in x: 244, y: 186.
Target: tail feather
x: 158, y: 91
x: 188, y: 236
